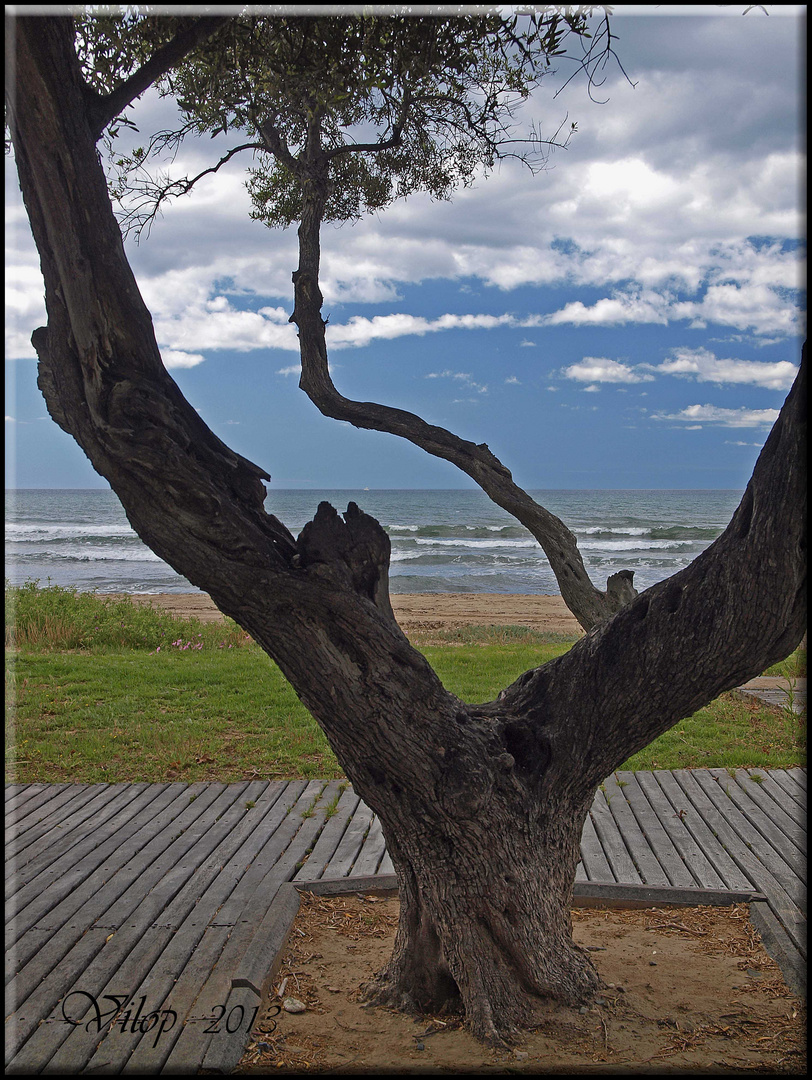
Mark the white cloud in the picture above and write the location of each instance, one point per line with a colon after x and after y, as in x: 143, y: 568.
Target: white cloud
x: 621, y: 308
x: 714, y: 414
x: 704, y: 366
x: 745, y: 306
x: 649, y: 204
x: 700, y: 364
x: 174, y: 358
x: 360, y: 330
x: 460, y: 376
x: 213, y: 323
x: 599, y: 369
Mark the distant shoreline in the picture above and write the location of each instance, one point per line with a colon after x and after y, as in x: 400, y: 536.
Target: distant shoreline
x: 430, y: 611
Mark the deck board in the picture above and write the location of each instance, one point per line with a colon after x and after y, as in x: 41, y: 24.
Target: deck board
x: 612, y: 841
x: 672, y: 817
x: 645, y: 861
x: 593, y: 856
x: 792, y: 788
x: 770, y: 799
x: 329, y: 838
x: 777, y: 849
x: 159, y: 892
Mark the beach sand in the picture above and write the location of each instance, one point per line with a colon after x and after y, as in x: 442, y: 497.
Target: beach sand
x: 425, y: 611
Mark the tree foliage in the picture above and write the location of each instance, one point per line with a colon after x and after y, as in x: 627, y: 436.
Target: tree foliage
x: 399, y: 104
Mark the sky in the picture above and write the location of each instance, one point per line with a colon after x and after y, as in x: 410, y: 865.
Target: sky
x: 629, y: 317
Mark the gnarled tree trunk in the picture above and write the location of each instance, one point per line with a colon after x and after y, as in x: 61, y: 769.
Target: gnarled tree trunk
x: 482, y: 805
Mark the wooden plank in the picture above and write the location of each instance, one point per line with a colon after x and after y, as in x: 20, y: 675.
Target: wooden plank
x: 86, y: 903
x: 35, y: 795
x: 645, y: 861
x: 122, y: 961
x: 778, y: 830
x: 34, y: 902
x: 274, y: 871
x: 74, y: 840
x: 50, y: 809
x: 251, y: 949
x: 781, y: 948
x: 66, y: 1049
x: 170, y: 974
x: 205, y: 1042
x: 658, y: 839
x: 687, y: 799
x: 726, y: 825
x: 225, y: 1050
x: 610, y: 894
x: 613, y: 842
x: 150, y: 928
x: 201, y: 848
x: 38, y: 819
x: 749, y: 868
x: 689, y: 850
x: 371, y: 853
x: 24, y: 1019
x: 257, y: 955
x: 350, y: 844
x: 329, y: 838
x: 164, y: 988
x: 282, y: 825
x: 781, y: 777
x: 49, y: 835
x: 592, y: 856
x: 58, y: 810
x: 774, y: 801
x: 153, y: 880
x: 56, y: 835
x: 798, y: 775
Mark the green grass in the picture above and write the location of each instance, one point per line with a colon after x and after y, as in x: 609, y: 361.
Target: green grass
x: 101, y: 690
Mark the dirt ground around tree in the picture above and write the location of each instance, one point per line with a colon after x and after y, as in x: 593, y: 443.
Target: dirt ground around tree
x: 687, y: 990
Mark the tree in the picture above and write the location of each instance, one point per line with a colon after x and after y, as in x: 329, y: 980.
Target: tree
x: 482, y: 805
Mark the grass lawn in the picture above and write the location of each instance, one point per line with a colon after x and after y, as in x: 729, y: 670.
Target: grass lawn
x: 103, y: 691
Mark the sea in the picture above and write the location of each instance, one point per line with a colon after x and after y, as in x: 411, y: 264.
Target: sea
x: 454, y: 541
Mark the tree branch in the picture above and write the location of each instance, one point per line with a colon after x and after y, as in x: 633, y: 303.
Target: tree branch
x: 276, y: 145
x: 589, y: 605
x: 395, y: 139
x: 739, y: 607
x: 102, y: 109
x: 154, y: 192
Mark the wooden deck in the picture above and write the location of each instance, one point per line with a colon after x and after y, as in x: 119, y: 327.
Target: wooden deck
x: 143, y: 900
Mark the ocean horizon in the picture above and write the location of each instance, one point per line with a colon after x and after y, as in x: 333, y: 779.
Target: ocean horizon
x: 443, y: 540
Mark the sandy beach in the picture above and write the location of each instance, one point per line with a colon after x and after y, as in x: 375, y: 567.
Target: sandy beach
x: 428, y: 611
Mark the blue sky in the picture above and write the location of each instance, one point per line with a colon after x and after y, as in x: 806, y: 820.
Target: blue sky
x: 629, y: 318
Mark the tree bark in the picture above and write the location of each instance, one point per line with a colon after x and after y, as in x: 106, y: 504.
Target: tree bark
x: 481, y: 805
